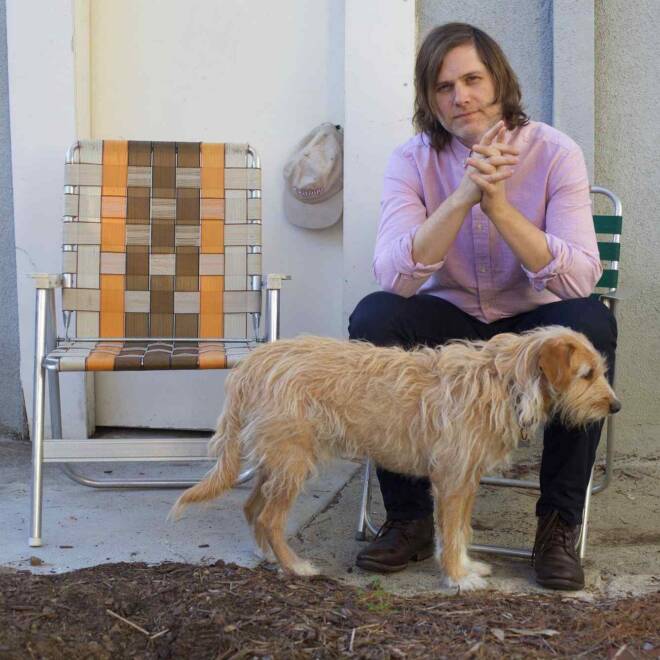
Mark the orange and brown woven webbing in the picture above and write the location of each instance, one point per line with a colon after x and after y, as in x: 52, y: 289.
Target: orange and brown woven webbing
x: 161, y: 239
x: 79, y: 355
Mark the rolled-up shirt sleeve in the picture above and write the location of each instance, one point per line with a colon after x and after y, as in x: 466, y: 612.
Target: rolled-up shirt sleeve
x: 402, y: 214
x: 575, y: 267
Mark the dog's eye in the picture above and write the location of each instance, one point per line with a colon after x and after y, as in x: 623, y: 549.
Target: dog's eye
x: 589, y: 375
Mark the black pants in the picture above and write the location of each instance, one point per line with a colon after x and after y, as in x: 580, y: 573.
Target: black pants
x: 568, y: 454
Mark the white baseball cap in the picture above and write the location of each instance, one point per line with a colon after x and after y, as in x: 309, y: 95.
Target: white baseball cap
x: 314, y: 174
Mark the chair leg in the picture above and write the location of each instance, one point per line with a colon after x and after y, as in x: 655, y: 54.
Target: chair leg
x: 361, y: 531
x: 53, y: 377
x: 143, y: 484
x: 609, y: 458
x: 364, y: 521
x: 38, y: 401
x: 582, y: 543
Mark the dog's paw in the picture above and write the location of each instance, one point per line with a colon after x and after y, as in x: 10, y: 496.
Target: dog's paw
x: 304, y: 568
x: 469, y: 582
x: 479, y: 567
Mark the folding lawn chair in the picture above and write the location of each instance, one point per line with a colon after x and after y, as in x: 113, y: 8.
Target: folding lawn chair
x: 161, y: 270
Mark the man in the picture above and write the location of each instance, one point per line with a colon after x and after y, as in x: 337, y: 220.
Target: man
x: 485, y: 228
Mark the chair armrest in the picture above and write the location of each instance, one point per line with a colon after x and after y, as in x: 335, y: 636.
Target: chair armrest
x: 46, y: 280
x: 274, y: 280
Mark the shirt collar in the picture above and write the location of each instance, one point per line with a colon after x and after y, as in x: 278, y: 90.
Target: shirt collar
x: 460, y: 152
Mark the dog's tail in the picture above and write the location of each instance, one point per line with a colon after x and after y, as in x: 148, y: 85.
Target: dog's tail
x: 226, y: 444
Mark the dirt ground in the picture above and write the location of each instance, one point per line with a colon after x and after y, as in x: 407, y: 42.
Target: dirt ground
x: 222, y: 611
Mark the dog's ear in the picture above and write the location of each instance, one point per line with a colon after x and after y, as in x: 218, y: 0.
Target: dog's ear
x: 555, y: 361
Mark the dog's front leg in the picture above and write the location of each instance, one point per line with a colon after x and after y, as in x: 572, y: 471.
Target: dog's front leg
x: 471, y: 565
x: 451, y: 511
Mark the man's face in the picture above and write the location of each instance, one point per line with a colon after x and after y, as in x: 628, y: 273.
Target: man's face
x: 464, y: 95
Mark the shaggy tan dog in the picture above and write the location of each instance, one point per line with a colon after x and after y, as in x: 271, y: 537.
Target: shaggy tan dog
x: 451, y: 413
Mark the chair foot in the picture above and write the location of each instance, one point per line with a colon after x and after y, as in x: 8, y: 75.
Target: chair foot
x: 360, y: 536
x: 35, y: 542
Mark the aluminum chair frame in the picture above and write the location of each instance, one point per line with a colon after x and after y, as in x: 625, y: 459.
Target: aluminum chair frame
x: 46, y: 374
x: 609, y: 298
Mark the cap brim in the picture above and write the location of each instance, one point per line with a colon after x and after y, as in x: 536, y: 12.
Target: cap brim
x: 313, y: 216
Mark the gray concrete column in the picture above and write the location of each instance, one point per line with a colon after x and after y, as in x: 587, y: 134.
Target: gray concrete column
x: 12, y: 407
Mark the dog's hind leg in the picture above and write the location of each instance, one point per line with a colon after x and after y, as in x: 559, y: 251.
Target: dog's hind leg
x: 255, y: 502
x: 289, y: 459
x: 273, y: 521
x: 252, y: 509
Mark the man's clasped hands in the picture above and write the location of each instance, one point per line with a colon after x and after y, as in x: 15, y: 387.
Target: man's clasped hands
x: 488, y: 166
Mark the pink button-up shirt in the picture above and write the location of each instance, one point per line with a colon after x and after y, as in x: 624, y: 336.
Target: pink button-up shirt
x: 480, y: 274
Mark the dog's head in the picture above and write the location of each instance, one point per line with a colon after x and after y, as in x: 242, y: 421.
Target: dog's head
x: 574, y: 382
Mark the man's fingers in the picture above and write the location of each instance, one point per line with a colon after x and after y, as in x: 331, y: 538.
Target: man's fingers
x: 498, y: 176
x: 503, y: 160
x: 506, y: 148
x: 482, y: 165
x: 485, y: 150
x: 495, y: 149
x: 487, y: 181
x: 495, y: 161
x: 485, y: 185
x: 490, y: 134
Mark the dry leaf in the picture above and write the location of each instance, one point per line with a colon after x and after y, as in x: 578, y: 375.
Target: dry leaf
x: 473, y: 649
x: 498, y: 632
x: 545, y: 632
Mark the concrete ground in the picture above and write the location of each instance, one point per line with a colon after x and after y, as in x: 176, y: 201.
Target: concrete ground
x: 84, y: 527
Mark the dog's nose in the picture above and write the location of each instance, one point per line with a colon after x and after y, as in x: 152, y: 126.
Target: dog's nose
x: 615, y: 406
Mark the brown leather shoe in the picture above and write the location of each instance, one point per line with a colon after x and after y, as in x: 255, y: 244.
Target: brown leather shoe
x: 397, y: 543
x: 555, y: 556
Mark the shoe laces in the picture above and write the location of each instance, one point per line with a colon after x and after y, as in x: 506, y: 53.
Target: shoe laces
x: 394, y: 524
x: 556, y: 532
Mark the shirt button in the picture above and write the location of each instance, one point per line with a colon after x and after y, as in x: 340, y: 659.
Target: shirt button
x: 479, y: 226
x: 482, y: 269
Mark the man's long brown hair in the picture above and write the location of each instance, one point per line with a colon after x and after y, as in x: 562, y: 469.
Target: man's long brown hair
x: 435, y: 47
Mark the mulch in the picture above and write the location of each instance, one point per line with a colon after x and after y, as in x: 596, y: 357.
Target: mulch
x: 223, y: 611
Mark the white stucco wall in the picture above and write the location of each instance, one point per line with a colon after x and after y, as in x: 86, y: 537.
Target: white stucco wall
x: 380, y: 57
x: 573, y: 100
x: 42, y: 125
x: 628, y: 162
